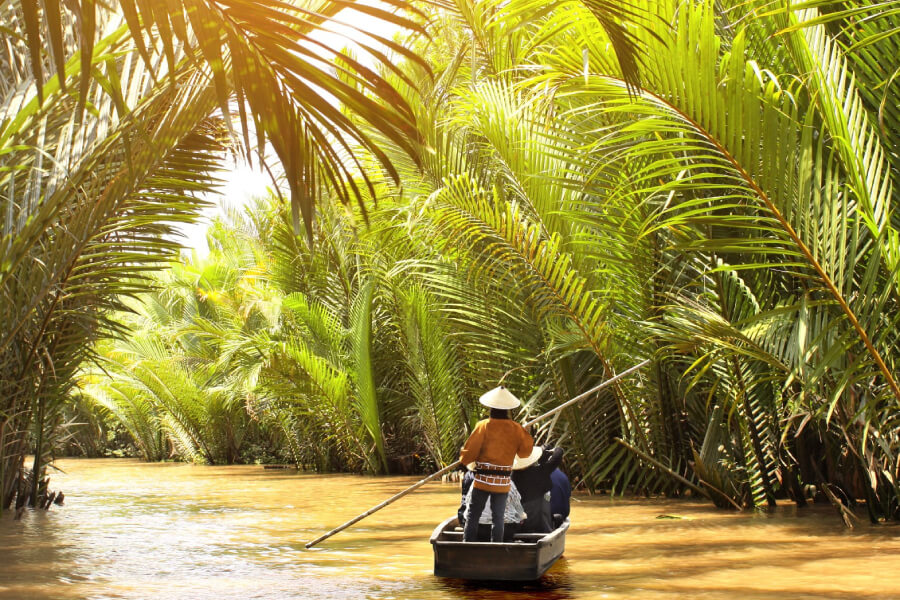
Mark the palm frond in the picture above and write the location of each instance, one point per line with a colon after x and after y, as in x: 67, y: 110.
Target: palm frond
x: 264, y: 57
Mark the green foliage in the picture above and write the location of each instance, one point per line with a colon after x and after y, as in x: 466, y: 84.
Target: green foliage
x: 179, y: 380
x: 583, y: 185
x: 104, y: 156
x: 434, y: 378
x: 731, y: 216
x: 87, y: 208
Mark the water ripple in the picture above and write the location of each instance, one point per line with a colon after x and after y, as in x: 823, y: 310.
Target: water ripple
x: 134, y: 531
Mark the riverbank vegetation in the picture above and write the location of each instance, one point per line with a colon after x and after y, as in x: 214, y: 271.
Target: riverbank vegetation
x: 562, y: 191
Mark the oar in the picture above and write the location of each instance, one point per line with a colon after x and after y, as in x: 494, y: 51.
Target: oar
x: 450, y: 467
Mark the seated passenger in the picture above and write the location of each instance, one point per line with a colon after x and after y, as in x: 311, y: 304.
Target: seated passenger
x: 559, y: 496
x: 532, y: 477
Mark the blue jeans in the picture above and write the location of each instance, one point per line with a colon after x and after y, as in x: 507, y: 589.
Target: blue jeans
x: 476, y: 507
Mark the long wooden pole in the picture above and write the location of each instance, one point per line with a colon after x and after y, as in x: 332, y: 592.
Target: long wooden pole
x: 450, y: 467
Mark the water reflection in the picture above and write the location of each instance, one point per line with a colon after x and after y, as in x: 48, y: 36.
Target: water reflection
x: 135, y: 531
x: 556, y: 584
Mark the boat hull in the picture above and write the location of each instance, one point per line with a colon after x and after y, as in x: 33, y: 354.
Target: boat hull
x: 525, y: 559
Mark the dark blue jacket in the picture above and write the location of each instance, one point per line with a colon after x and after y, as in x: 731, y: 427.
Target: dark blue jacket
x: 560, y: 493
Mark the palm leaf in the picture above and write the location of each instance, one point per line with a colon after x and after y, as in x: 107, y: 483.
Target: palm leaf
x: 366, y: 398
x: 261, y: 53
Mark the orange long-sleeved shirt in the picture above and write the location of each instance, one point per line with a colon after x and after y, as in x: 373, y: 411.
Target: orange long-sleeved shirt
x: 496, y: 441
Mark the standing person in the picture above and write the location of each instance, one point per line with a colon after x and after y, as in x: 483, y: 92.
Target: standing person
x: 489, y: 452
x: 513, y: 516
x: 531, y: 475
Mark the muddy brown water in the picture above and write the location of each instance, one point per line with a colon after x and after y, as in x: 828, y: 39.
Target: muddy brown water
x: 133, y: 530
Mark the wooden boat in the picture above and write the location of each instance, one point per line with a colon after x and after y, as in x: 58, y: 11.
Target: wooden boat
x: 525, y: 558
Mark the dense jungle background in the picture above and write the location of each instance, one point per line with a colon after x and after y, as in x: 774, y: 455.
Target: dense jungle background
x: 547, y: 193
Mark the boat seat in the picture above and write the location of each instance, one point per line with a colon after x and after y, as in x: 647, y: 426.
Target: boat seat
x: 528, y: 537
x: 457, y: 536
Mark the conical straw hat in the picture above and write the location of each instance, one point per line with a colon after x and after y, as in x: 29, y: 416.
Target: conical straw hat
x: 524, y: 463
x: 499, y: 397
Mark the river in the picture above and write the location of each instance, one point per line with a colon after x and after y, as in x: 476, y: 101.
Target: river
x: 133, y: 530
